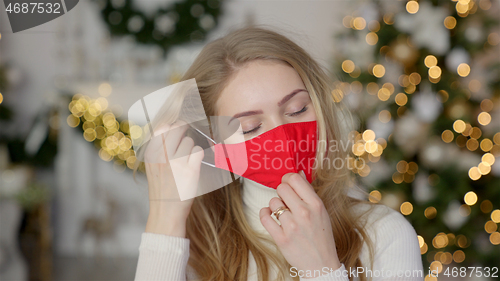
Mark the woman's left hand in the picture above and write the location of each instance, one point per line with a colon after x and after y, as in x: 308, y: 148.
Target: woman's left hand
x: 305, y: 237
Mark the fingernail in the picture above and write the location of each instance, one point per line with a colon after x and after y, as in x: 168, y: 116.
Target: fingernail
x: 303, y: 174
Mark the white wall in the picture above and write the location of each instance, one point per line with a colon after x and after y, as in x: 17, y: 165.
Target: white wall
x: 73, y: 52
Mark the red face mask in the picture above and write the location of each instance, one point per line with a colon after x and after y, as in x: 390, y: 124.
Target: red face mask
x: 288, y: 148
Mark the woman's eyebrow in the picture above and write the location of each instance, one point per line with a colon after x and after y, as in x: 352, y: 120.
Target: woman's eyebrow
x: 280, y: 103
x: 289, y: 96
x: 246, y: 113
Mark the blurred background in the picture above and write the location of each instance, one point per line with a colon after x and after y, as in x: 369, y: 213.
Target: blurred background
x: 421, y: 77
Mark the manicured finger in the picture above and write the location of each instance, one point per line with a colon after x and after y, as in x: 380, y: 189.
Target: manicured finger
x: 300, y: 186
x: 288, y: 196
x: 269, y: 224
x: 301, y: 172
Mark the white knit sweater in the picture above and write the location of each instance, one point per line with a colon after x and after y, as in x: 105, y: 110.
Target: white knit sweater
x: 397, y: 251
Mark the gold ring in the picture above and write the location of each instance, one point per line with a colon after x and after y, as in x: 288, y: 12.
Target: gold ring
x: 277, y: 213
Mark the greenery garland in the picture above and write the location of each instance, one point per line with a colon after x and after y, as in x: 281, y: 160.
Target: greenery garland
x: 182, y: 22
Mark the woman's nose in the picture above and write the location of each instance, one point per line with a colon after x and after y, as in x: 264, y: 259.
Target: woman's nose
x: 276, y: 121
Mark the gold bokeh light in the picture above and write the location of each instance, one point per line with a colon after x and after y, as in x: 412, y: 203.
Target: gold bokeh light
x: 470, y: 198
x: 430, y: 61
x: 406, y: 208
x: 484, y: 118
x: 348, y: 66
x: 412, y: 7
x: 371, y: 38
x: 435, y: 72
x: 359, y: 23
x: 447, y: 136
x: 459, y: 126
x: 463, y: 69
x: 450, y: 22
x: 378, y: 70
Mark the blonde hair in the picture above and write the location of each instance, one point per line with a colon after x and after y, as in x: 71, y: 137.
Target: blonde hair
x: 220, y: 236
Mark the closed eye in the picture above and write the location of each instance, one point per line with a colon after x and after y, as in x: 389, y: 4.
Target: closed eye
x: 304, y: 109
x: 252, y: 130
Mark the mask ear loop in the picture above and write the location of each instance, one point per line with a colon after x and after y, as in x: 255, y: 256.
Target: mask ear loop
x: 209, y: 138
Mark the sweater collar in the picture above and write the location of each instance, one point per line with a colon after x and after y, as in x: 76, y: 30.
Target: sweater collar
x: 255, y: 197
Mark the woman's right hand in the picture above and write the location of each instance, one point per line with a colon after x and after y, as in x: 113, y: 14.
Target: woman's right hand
x: 172, y: 163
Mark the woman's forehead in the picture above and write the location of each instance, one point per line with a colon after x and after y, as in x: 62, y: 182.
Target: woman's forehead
x: 258, y: 84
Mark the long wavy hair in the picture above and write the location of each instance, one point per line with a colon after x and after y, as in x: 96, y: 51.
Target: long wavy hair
x: 220, y: 236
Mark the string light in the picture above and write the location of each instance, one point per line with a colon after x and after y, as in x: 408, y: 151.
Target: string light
x: 470, y: 198
x: 461, y: 8
x: 371, y: 38
x: 404, y: 80
x: 459, y: 126
x: 348, y: 66
x: 495, y: 216
x: 464, y: 210
x: 384, y: 116
x: 412, y: 7
x: 434, y: 72
x: 374, y: 26
x: 104, y: 89
x: 474, y: 85
x: 422, y: 244
x: 375, y: 196
x: 368, y: 135
x: 372, y: 88
x: 103, y: 129
x: 447, y: 136
x: 383, y: 94
x: 430, y: 212
x: 401, y: 99
x: 462, y: 241
x: 406, y: 208
x: 490, y: 227
x: 450, y: 22
x: 388, y: 18
x: 488, y: 158
x: 472, y: 144
x: 495, y: 238
x: 347, y: 21
x: 493, y: 39
x: 459, y: 256
x: 430, y: 277
x: 337, y: 95
x: 474, y: 173
x: 430, y: 61
x: 486, y: 145
x: 359, y: 23
x: 356, y: 87
x: 486, y: 105
x: 485, y: 4
x: 436, y: 266
x: 415, y: 78
x: 463, y: 69
x: 484, y: 118
x: 378, y: 70
x: 443, y: 96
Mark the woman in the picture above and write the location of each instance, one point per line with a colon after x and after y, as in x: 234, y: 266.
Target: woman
x: 322, y: 231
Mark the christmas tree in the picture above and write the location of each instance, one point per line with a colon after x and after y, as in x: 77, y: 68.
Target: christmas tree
x: 423, y: 80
